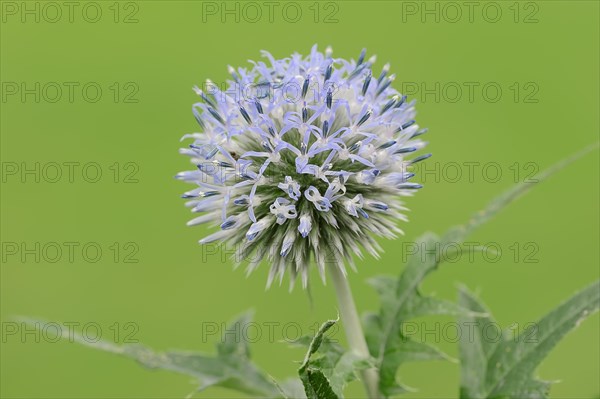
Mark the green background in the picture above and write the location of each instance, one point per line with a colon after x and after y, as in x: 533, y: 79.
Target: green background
x: 171, y: 292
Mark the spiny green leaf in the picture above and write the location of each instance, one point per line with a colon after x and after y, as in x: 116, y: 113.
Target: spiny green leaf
x: 317, y: 340
x: 345, y: 370
x: 475, y: 347
x: 401, y: 300
x: 315, y: 383
x: 504, y: 369
x: 230, y: 368
x: 327, y: 367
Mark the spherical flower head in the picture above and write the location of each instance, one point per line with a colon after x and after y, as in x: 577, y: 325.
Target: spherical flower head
x: 302, y: 160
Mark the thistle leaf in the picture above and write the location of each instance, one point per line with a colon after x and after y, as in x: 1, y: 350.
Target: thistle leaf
x: 503, y: 368
x: 401, y: 301
x: 231, y: 368
x: 326, y: 375
x: 316, y: 385
x: 400, y: 297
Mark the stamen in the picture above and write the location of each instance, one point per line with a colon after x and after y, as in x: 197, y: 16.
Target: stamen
x: 385, y: 84
x: 379, y: 205
x: 359, y: 69
x: 207, y: 99
x: 328, y: 72
x: 241, y: 201
x: 200, y: 121
x: 405, y: 150
x: 304, y: 114
x: 286, y: 248
x: 233, y: 73
x: 366, y: 83
x: 355, y: 146
x: 389, y: 105
x: 409, y: 186
x: 365, y: 117
x: 420, y: 158
x: 258, y: 106
x: 408, y: 124
x: 386, y: 145
x: 405, y: 125
x: 212, y: 153
x: 222, y: 164
x: 419, y: 132
x: 362, y: 212
x: 305, y: 86
x: 252, y: 236
x: 402, y: 101
x: 361, y: 57
x: 216, y: 115
x: 267, y: 146
x: 229, y: 223
x: 245, y: 115
x: 384, y: 72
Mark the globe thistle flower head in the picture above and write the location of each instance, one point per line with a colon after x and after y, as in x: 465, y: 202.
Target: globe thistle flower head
x: 302, y: 160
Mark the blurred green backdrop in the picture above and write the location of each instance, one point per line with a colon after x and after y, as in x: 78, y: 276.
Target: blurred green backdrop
x: 146, y: 55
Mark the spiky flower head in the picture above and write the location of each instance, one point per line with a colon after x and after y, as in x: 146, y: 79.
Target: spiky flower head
x: 302, y: 160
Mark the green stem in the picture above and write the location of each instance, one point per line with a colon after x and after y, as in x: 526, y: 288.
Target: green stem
x: 353, y: 329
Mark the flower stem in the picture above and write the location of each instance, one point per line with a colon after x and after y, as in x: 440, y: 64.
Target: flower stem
x: 353, y: 329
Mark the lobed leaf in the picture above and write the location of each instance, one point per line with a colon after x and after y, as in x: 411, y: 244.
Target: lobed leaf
x: 231, y: 368
x: 401, y: 300
x: 326, y: 375
x: 503, y: 368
